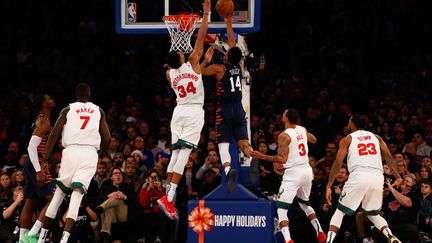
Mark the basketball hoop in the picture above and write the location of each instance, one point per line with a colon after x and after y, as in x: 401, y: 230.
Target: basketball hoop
x: 181, y: 28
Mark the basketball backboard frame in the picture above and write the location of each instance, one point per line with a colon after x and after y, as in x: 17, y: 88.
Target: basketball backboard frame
x: 123, y: 26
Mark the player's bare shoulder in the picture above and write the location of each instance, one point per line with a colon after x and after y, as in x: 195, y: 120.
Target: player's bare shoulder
x: 42, y: 125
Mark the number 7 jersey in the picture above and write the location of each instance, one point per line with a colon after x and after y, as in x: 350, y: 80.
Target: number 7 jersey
x: 187, y: 85
x: 82, y: 125
x: 364, y: 151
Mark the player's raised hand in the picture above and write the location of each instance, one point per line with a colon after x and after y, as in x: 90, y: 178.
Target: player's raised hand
x: 206, y: 6
x: 329, y: 195
x: 209, y: 54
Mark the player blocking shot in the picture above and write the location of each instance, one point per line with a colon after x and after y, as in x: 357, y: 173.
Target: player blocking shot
x: 298, y: 175
x: 188, y: 117
x: 364, y: 151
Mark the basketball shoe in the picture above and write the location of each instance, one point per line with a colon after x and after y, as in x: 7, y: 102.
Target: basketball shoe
x: 321, y: 236
x: 167, y: 207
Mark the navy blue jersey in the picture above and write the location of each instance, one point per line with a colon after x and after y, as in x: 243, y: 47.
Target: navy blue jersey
x: 229, y: 88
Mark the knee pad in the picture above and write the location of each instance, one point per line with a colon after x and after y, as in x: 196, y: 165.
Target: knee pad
x: 306, y: 208
x: 378, y: 221
x: 182, y: 160
x: 224, y: 152
x: 282, y: 214
x: 174, y: 156
x: 55, y: 203
x: 74, y: 204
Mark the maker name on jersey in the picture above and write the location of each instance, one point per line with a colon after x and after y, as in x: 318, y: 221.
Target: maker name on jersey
x: 178, y: 78
x: 84, y: 109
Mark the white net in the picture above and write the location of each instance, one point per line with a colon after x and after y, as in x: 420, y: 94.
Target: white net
x: 181, y: 28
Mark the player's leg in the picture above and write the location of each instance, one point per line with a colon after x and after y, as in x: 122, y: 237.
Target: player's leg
x: 192, y: 121
x: 51, y: 212
x: 349, y: 200
x: 224, y: 135
x: 72, y: 214
x: 240, y: 129
x: 287, y: 192
x: 371, y: 205
x: 303, y: 194
x: 176, y: 131
x: 31, y: 200
x: 46, y: 193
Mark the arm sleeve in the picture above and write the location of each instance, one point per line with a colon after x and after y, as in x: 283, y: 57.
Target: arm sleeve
x: 32, y: 151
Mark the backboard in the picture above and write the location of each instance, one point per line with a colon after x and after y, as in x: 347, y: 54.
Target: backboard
x: 145, y: 16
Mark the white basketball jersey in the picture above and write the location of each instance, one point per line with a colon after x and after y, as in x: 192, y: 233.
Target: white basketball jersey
x: 82, y: 125
x: 187, y: 85
x: 298, y: 147
x: 364, y: 151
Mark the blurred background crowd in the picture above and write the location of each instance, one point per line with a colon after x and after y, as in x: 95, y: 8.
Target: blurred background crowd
x: 327, y: 59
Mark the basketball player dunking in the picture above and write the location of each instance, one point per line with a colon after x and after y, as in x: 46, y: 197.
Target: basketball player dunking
x: 84, y: 131
x: 37, y: 174
x: 230, y: 115
x: 364, y: 161
x: 188, y: 117
x: 298, y: 175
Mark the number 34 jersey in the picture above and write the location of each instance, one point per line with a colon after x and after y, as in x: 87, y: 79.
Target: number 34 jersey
x: 364, y: 151
x: 82, y: 125
x: 298, y: 148
x: 187, y: 85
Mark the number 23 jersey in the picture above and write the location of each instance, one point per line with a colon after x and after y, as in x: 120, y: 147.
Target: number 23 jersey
x: 364, y: 151
x: 82, y: 125
x: 187, y: 85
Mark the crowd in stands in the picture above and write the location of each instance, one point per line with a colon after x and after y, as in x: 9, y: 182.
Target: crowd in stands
x: 327, y: 59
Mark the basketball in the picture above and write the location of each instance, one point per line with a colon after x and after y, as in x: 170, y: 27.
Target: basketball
x: 225, y: 8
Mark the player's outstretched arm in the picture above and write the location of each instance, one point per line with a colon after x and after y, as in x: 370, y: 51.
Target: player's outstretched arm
x: 195, y: 56
x: 340, y: 156
x: 41, y: 128
x: 311, y: 138
x: 104, y: 132
x: 283, y: 142
x: 55, y: 132
x: 230, y: 32
x: 390, y: 161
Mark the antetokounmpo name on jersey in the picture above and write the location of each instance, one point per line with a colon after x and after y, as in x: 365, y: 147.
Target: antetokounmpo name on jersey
x: 178, y: 78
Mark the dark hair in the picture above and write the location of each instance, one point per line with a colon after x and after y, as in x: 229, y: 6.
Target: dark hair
x: 82, y: 90
x: 173, y: 59
x: 39, y: 101
x: 292, y: 115
x: 426, y: 182
x: 116, y: 168
x: 358, y: 121
x: 234, y: 55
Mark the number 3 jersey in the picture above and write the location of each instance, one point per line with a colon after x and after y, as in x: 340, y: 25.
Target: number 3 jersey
x: 187, y: 85
x: 82, y: 125
x: 298, y: 148
x: 364, y: 151
x: 229, y: 88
